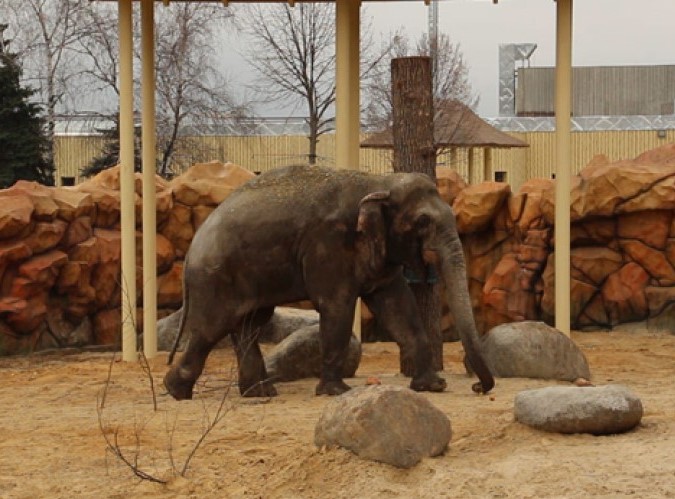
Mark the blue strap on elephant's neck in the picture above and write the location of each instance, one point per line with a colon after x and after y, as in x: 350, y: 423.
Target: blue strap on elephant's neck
x: 428, y: 276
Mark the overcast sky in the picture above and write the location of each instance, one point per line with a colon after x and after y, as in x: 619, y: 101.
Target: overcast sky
x: 606, y: 32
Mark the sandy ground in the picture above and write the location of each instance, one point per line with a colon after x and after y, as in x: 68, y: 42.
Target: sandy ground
x: 52, y: 445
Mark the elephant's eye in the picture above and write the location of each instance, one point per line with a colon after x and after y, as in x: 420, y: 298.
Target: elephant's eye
x: 423, y: 222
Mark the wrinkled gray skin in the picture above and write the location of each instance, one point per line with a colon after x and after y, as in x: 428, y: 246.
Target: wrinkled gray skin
x: 329, y: 236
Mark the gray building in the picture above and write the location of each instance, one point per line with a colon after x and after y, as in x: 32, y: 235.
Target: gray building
x: 599, y: 91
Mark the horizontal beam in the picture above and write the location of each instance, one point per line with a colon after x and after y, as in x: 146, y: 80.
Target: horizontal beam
x: 227, y: 2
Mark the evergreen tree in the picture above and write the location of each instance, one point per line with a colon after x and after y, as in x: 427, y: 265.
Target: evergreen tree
x: 110, y: 155
x: 23, y: 145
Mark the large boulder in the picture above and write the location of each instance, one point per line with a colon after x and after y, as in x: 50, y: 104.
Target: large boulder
x: 170, y: 287
x: 15, y: 215
x: 624, y: 294
x: 299, y: 356
x: 208, y: 183
x: 107, y: 204
x: 450, y: 183
x: 592, y: 264
x: 528, y: 208
x: 477, y: 205
x: 39, y: 195
x: 73, y: 204
x: 46, y: 235
x: 389, y: 424
x: 603, y: 189
x: 598, y: 410
x: 284, y: 322
x: 178, y: 228
x: 532, y: 349
x: 167, y: 330
x: 109, y: 179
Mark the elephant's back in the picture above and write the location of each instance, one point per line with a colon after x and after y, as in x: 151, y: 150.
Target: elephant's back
x: 273, y: 211
x: 303, y: 182
x: 299, y: 192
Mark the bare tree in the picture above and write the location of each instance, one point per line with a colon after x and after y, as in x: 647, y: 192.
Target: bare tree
x: 99, y: 50
x: 449, y: 71
x: 293, y: 50
x: 192, y: 95
x: 49, y: 31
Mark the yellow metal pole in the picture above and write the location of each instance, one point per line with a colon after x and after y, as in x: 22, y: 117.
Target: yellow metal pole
x: 127, y: 182
x: 487, y: 164
x: 347, y: 122
x: 347, y: 97
x: 149, y: 194
x: 563, y: 112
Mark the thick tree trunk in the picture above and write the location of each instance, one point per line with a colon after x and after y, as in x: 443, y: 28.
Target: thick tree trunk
x: 414, y: 151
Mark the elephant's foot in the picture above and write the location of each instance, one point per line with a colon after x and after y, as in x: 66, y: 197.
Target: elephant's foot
x: 177, y: 386
x: 332, y: 387
x: 430, y: 382
x: 478, y: 388
x: 259, y: 389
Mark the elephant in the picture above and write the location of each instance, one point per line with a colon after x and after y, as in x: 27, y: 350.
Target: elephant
x: 329, y: 236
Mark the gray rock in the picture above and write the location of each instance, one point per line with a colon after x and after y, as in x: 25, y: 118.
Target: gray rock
x: 390, y: 424
x: 285, y: 321
x: 167, y: 329
x: 299, y: 356
x: 569, y: 409
x: 532, y: 349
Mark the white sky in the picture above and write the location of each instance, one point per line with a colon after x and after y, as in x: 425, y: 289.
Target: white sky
x: 606, y: 32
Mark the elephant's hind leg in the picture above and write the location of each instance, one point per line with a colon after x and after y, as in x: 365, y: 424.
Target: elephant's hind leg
x: 206, y: 327
x: 253, y: 378
x: 181, y: 378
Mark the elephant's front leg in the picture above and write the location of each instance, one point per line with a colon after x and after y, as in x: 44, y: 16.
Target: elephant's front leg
x: 336, y: 331
x: 395, y: 308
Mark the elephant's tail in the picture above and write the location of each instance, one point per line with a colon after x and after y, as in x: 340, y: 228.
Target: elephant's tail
x: 183, y: 315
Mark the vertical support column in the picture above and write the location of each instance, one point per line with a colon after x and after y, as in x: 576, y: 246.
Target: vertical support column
x: 347, y: 99
x: 347, y: 96
x: 563, y: 112
x: 453, y: 157
x: 149, y: 194
x: 127, y: 195
x: 471, y: 163
x: 487, y: 164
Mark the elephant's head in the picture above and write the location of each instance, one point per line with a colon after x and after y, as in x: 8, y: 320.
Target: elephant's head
x: 408, y: 223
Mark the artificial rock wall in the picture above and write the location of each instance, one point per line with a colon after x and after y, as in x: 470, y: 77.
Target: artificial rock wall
x: 623, y: 245
x: 60, y: 253
x: 60, y: 248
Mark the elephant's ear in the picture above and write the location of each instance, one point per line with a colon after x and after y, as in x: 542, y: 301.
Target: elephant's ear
x: 371, y: 231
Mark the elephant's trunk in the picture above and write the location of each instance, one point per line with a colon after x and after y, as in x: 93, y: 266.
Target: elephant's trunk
x: 453, y: 271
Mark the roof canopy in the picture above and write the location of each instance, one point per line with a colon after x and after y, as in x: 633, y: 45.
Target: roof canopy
x: 290, y: 2
x: 456, y: 125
